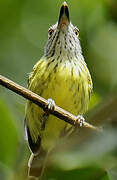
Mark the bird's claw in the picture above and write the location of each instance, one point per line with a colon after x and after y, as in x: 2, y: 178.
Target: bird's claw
x: 51, y: 104
x: 80, y: 119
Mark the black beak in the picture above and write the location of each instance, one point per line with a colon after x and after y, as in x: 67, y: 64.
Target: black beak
x: 64, y: 15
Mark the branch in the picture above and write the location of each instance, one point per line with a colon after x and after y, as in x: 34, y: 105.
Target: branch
x: 43, y: 103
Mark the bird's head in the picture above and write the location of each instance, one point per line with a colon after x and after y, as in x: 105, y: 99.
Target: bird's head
x: 63, y: 37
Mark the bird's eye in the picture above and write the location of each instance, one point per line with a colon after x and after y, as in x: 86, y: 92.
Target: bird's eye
x: 76, y: 30
x: 50, y: 31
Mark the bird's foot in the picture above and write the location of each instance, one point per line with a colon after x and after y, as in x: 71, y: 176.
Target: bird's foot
x: 51, y: 104
x: 80, y: 119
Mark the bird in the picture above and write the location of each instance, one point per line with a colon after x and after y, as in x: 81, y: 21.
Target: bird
x: 62, y: 77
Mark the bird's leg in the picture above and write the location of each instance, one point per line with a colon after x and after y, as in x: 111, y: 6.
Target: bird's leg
x: 51, y: 105
x: 44, y: 119
x: 80, y: 119
x: 66, y: 131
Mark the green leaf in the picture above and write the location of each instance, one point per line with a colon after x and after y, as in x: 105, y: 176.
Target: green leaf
x: 8, y: 135
x: 88, y: 173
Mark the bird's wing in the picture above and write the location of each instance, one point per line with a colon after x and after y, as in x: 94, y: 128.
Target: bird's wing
x: 34, y: 146
x: 34, y: 114
x: 90, y: 85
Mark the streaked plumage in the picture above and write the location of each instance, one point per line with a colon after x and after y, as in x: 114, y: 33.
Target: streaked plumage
x: 61, y: 74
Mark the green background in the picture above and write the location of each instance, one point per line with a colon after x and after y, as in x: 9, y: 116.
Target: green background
x: 23, y: 33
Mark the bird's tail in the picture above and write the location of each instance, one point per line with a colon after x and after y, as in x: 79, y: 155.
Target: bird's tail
x: 37, y: 164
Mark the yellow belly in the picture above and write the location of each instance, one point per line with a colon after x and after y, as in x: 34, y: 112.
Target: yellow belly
x: 67, y: 86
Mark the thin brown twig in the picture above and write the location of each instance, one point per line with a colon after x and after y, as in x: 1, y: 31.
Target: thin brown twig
x: 43, y: 103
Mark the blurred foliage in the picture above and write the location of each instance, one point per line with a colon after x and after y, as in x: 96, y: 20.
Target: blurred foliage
x: 23, y: 34
x: 79, y: 174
